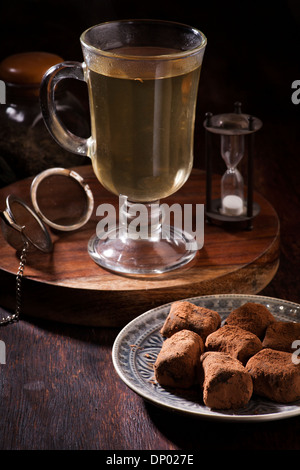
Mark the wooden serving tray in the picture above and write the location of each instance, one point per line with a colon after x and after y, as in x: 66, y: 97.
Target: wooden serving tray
x: 67, y: 286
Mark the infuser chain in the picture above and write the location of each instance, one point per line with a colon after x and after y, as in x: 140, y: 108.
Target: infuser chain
x: 13, y: 318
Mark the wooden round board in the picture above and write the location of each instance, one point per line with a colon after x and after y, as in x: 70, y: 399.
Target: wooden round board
x: 68, y: 286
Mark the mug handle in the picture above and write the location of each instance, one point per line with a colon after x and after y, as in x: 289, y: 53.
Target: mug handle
x: 57, y: 129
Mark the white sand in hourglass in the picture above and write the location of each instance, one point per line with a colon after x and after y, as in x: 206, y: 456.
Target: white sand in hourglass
x: 232, y: 205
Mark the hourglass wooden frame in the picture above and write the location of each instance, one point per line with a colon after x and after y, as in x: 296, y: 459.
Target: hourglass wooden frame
x: 232, y: 124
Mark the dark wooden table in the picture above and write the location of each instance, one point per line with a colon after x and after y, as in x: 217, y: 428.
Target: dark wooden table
x: 58, y: 388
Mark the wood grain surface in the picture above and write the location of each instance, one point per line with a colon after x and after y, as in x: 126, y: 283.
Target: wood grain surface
x: 67, y: 286
x: 61, y: 392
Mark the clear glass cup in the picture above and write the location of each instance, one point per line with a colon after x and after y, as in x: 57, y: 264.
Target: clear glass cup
x: 142, y: 77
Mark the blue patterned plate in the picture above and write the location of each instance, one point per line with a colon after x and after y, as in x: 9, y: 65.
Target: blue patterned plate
x: 138, y: 344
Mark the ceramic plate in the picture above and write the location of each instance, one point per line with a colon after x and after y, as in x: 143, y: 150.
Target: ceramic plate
x: 138, y: 344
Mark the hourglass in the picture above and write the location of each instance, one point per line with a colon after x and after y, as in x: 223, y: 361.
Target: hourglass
x: 232, y: 183
x: 232, y: 206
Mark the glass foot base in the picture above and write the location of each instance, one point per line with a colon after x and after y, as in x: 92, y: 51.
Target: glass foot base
x: 172, y: 250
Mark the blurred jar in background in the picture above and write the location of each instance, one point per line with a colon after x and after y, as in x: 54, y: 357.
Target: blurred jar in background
x: 26, y: 147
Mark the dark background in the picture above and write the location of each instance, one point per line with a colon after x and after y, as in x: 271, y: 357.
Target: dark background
x: 252, y: 46
x: 252, y: 53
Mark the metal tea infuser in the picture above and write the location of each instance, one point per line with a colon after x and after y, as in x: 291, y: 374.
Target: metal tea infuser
x: 62, y: 200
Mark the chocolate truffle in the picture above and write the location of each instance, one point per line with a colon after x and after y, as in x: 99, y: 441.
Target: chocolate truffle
x: 178, y: 360
x: 274, y: 375
x: 235, y: 341
x: 281, y: 335
x: 186, y: 315
x: 225, y: 381
x: 251, y: 317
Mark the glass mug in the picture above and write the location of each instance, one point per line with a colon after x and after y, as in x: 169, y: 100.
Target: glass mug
x: 142, y: 78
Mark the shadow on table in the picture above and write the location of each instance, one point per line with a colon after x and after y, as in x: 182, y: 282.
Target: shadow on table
x: 89, y: 334
x: 193, y: 433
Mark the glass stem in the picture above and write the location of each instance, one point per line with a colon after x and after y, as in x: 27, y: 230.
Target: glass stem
x: 139, y: 220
